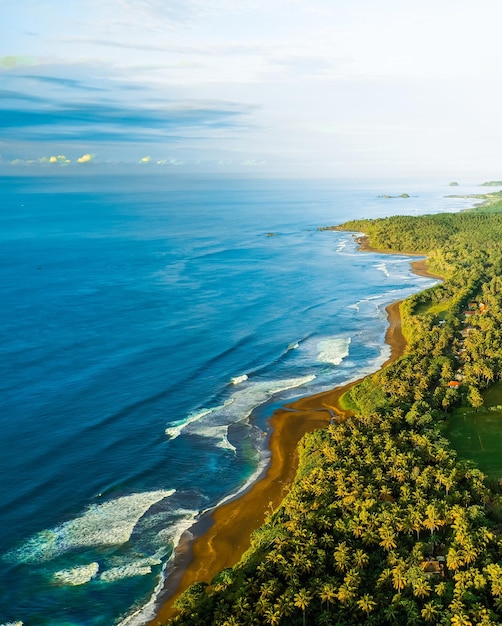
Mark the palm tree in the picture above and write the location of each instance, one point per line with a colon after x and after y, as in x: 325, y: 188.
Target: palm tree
x: 342, y: 556
x: 433, y: 520
x: 430, y: 612
x: 460, y: 619
x: 366, y: 603
x: 388, y: 538
x: 302, y: 600
x: 494, y: 572
x: 285, y: 604
x: 392, y: 613
x: 454, y: 560
x: 328, y: 594
x: 421, y: 587
x: 273, y: 617
x: 399, y: 577
x: 361, y: 559
x: 345, y: 594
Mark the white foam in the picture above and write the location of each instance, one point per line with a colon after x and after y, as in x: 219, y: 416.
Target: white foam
x: 12, y: 624
x: 125, y: 571
x: 357, y: 304
x: 213, y: 423
x: 291, y: 383
x: 77, y: 575
x: 220, y: 433
x: 172, y: 535
x: 239, y: 379
x: 177, y: 428
x: 333, y: 350
x: 242, y: 402
x: 293, y: 346
x: 260, y: 468
x: 119, y: 560
x: 107, y: 524
x: 383, y: 268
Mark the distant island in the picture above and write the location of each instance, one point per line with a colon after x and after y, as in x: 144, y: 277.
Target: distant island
x: 395, y: 514
x: 403, y: 195
x: 492, y: 183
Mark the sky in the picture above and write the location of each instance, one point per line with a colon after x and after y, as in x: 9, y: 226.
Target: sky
x: 338, y: 88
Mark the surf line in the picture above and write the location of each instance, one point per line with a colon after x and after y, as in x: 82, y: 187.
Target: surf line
x: 219, y: 540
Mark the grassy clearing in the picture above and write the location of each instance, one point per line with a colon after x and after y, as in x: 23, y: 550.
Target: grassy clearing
x: 438, y: 309
x: 477, y: 434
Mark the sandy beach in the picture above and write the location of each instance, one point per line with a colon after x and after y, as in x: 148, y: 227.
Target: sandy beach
x: 220, y: 538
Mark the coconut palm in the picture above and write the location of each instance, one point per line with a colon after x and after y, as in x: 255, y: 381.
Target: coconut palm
x: 430, y: 612
x: 399, y: 579
x: 388, y: 538
x: 302, y: 599
x: 433, y: 519
x: 341, y: 555
x: 366, y: 603
x: 328, y: 594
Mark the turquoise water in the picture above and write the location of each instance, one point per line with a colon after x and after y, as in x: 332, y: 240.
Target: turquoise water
x: 148, y: 327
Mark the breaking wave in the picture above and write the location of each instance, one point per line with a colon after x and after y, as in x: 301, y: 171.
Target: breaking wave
x: 239, y: 379
x: 333, y: 350
x: 107, y: 524
x: 213, y: 423
x: 76, y: 575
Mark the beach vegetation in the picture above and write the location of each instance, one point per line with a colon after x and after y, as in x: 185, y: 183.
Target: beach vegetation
x: 389, y: 519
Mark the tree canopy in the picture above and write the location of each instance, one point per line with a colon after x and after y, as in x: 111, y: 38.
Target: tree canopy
x: 383, y: 524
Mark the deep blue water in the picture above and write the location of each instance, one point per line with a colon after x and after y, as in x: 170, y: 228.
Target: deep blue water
x: 143, y: 319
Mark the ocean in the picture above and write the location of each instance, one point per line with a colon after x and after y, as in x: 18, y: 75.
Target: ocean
x: 150, y: 326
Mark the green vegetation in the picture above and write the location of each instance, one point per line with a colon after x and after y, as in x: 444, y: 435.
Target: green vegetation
x: 385, y: 523
x: 477, y: 433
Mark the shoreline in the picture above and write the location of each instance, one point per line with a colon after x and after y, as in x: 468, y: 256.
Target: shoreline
x: 219, y: 538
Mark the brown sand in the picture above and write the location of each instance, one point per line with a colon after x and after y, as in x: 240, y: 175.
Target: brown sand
x: 223, y: 536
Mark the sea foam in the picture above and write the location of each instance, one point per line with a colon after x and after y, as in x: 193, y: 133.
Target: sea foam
x: 239, y: 379
x: 219, y: 433
x: 171, y: 535
x: 383, y: 268
x: 213, y: 423
x: 179, y: 426
x: 76, y: 575
x: 333, y: 350
x: 125, y: 571
x: 107, y: 524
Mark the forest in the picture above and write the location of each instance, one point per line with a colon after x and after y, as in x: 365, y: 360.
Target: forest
x: 385, y: 523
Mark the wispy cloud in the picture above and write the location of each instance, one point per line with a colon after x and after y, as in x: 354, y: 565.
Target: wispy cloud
x: 250, y: 80
x: 71, y: 111
x: 59, y: 81
x: 104, y: 122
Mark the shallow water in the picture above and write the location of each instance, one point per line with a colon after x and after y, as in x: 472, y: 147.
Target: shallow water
x: 149, y: 326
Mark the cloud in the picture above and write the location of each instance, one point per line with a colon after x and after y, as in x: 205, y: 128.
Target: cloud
x: 103, y: 121
x: 6, y: 94
x: 59, y: 159
x: 86, y: 158
x: 62, y: 82
x: 156, y: 14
